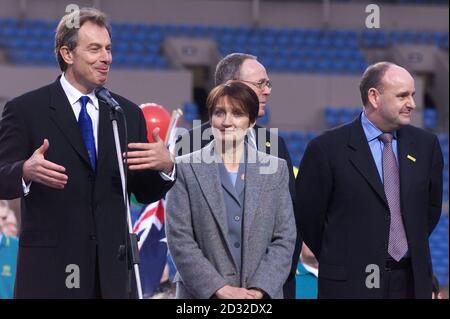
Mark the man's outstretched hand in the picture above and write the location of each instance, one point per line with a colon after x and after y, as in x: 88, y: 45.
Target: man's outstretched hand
x: 37, y: 169
x: 150, y: 155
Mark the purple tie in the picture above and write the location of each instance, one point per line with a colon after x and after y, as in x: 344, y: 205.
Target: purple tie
x: 398, y: 245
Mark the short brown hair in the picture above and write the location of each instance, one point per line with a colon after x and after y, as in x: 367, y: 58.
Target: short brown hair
x: 67, y: 35
x: 245, y: 98
x: 371, y: 78
x: 230, y: 66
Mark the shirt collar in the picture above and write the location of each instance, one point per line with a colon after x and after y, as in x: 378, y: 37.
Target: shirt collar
x: 372, y: 132
x: 73, y: 95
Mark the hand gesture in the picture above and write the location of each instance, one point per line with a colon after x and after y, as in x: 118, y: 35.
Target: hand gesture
x: 38, y: 169
x: 150, y: 155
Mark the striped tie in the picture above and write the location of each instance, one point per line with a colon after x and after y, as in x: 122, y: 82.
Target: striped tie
x: 398, y: 245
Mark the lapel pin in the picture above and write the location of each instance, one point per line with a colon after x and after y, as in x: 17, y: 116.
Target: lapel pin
x: 242, y: 176
x: 268, y: 144
x: 411, y: 158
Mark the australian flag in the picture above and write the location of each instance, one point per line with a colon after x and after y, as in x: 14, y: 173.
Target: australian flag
x: 152, y: 246
x: 149, y: 226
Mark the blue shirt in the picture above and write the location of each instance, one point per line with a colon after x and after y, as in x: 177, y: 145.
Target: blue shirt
x: 232, y: 176
x: 376, y: 146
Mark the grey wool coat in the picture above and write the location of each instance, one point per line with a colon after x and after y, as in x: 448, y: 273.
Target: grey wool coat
x: 197, y: 228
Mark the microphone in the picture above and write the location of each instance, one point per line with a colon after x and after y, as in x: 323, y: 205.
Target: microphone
x: 103, y: 94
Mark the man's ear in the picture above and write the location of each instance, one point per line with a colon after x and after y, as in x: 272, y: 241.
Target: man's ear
x: 66, y: 54
x: 373, y: 96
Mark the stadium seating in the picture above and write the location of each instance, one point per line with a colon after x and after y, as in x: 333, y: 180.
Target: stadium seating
x: 439, y: 250
x: 280, y: 49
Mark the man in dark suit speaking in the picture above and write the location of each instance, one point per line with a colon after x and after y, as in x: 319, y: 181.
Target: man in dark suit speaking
x: 57, y: 153
x: 369, y: 194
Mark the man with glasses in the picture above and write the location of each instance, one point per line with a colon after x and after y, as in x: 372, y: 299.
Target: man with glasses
x: 247, y: 69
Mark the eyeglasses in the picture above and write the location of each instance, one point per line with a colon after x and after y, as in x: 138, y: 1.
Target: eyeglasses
x: 260, y: 84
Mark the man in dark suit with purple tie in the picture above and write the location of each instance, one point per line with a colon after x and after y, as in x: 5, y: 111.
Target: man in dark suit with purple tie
x: 369, y: 194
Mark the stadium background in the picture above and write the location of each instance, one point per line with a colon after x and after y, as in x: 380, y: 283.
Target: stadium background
x: 165, y: 51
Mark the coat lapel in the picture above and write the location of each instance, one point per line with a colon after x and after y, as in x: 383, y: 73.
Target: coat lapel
x: 254, y: 184
x: 226, y: 182
x: 240, y: 180
x: 207, y: 175
x: 62, y: 115
x: 407, y: 151
x: 105, y: 135
x: 362, y: 158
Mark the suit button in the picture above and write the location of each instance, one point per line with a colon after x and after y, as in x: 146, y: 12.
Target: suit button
x: 237, y: 245
x: 93, y: 237
x: 237, y: 218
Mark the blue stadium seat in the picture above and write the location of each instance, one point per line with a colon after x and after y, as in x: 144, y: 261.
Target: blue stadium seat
x: 284, y: 134
x: 331, y: 116
x: 311, y: 41
x: 439, y: 250
x: 346, y: 115
x: 296, y: 136
x: 295, y: 65
x: 264, y: 120
x: 190, y: 112
x: 283, y: 40
x: 429, y: 118
x: 311, y: 135
x: 137, y: 47
x: 161, y: 62
x: 298, y: 41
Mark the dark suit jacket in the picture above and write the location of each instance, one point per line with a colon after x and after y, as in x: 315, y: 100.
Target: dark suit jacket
x: 86, y: 220
x: 187, y: 140
x: 344, y: 212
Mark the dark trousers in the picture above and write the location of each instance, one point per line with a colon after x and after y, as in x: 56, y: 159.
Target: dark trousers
x: 398, y: 280
x: 289, y: 288
x: 96, y: 292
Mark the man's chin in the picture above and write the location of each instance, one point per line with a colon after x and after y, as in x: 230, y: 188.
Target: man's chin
x: 405, y: 120
x: 101, y: 80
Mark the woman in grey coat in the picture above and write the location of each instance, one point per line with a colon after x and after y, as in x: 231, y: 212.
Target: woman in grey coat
x: 230, y: 224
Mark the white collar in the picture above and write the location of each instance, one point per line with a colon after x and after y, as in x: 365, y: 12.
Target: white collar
x: 73, y: 95
x: 312, y: 270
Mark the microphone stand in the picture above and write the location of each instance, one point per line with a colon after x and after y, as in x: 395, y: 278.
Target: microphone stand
x: 130, y: 250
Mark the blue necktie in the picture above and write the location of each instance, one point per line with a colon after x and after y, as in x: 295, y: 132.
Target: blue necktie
x: 85, y: 124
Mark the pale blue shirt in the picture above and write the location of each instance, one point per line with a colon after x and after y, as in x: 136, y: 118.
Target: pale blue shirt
x: 232, y: 176
x: 376, y: 146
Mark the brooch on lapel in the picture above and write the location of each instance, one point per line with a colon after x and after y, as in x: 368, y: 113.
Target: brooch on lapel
x: 411, y: 158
